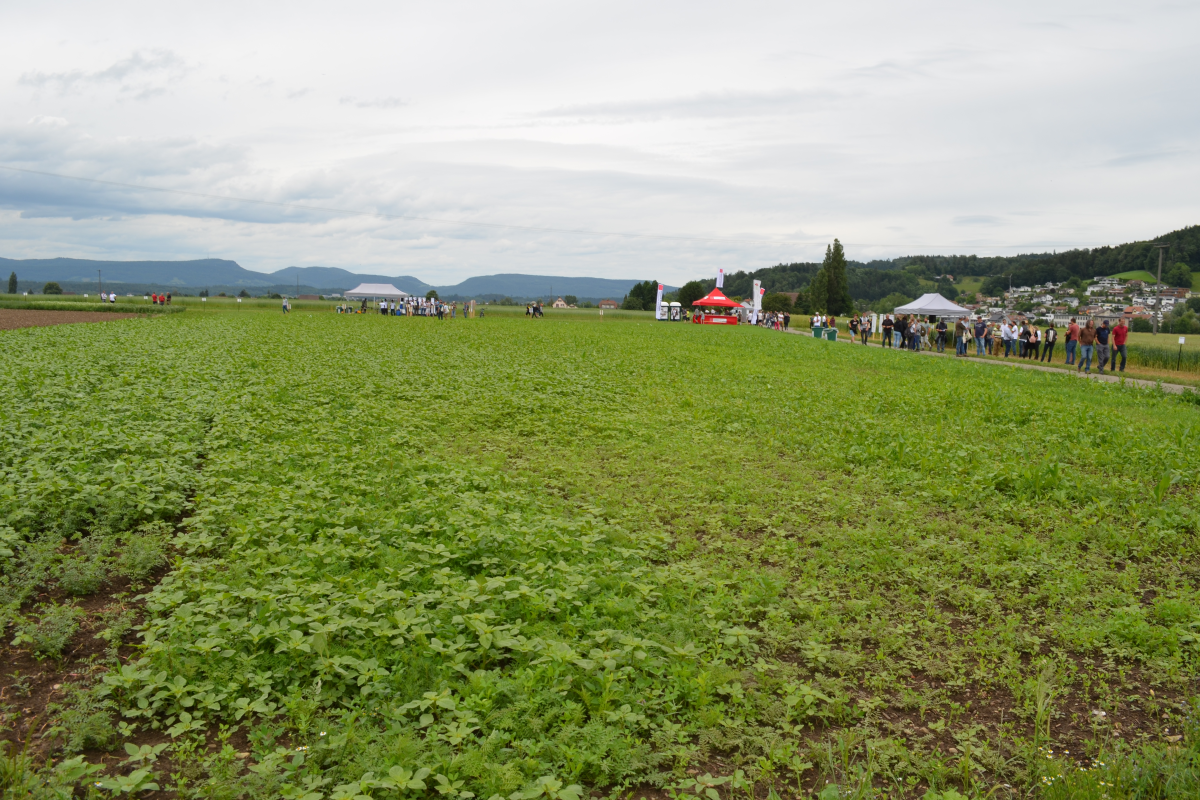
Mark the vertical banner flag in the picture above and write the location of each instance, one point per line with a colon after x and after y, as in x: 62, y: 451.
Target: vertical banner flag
x: 658, y: 306
x: 758, y: 293
x: 721, y: 278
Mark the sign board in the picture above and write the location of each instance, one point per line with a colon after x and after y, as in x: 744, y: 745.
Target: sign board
x: 1181, y: 338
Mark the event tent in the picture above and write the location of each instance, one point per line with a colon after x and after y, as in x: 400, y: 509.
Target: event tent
x: 933, y: 305
x: 376, y: 291
x: 715, y: 299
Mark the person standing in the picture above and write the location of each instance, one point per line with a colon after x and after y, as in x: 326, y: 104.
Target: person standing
x: 1102, y: 351
x: 888, y: 328
x: 941, y: 335
x: 787, y: 320
x: 980, y: 330
x: 1035, y: 341
x: 1087, y: 346
x: 1048, y: 340
x: 1072, y: 341
x: 1119, y: 335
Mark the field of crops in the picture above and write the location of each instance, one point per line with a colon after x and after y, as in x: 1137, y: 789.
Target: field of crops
x: 505, y: 558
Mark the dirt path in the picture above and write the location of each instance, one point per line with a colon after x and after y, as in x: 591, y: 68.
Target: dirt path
x: 1174, y: 388
x: 13, y: 318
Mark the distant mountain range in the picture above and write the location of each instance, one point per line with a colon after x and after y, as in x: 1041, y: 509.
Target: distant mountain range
x: 217, y: 275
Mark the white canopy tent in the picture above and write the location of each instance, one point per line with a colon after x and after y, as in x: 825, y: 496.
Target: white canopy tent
x: 933, y: 305
x: 375, y: 291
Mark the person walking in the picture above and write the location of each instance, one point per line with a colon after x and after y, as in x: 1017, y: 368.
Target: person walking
x: 1119, y: 334
x: 1048, y: 340
x: 1072, y: 341
x: 1087, y: 347
x: 1102, y: 352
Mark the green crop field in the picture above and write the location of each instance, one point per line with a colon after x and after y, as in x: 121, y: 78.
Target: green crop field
x: 327, y: 557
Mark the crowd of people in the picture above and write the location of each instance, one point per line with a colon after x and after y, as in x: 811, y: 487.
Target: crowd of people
x: 156, y: 299
x: 1084, y: 345
x: 776, y: 320
x: 407, y: 307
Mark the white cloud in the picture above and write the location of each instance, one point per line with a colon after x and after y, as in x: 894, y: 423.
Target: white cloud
x: 753, y: 133
x: 382, y: 102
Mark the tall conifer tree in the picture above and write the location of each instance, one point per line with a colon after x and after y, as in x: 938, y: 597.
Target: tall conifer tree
x: 12, y: 283
x: 837, y: 292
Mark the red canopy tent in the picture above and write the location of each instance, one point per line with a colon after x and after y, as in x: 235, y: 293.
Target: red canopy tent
x: 715, y: 299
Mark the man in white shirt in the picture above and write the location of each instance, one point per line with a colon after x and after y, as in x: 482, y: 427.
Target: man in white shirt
x: 1006, y: 335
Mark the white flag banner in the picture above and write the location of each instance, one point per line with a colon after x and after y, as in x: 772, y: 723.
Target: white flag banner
x: 721, y: 278
x: 658, y: 306
x: 758, y: 294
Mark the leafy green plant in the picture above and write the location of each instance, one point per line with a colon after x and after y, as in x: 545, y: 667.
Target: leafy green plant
x: 140, y: 780
x: 144, y: 550
x: 49, y: 630
x: 82, y: 719
x: 81, y: 575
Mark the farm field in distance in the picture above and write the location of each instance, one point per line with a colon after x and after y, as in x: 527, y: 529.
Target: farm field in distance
x: 327, y: 557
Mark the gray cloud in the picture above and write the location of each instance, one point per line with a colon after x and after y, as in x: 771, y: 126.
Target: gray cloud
x: 142, y: 74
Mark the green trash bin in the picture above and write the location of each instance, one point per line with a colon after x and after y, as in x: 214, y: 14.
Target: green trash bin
x: 831, y: 334
x: 817, y: 331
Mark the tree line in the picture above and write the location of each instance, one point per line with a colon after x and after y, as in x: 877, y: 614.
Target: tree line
x: 837, y: 285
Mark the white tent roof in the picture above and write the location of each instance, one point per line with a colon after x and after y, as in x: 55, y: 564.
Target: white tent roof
x: 933, y: 304
x: 374, y: 290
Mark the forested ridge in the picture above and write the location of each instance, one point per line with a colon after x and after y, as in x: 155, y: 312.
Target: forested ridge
x: 873, y: 280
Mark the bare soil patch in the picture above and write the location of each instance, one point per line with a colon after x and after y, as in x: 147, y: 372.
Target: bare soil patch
x: 13, y: 318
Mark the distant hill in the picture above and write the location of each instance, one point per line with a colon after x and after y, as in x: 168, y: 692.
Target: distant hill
x: 1184, y: 246
x: 180, y: 274
x: 337, y: 279
x: 220, y: 275
x: 875, y: 280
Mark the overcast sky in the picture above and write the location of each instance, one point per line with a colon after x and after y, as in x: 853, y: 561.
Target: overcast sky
x: 734, y: 134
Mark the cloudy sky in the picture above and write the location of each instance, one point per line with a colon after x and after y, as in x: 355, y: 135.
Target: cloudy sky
x: 611, y: 139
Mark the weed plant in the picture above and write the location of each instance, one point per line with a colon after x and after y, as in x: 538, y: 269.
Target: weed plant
x: 49, y: 629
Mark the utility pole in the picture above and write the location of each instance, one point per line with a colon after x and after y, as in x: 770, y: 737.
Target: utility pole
x: 1158, y: 287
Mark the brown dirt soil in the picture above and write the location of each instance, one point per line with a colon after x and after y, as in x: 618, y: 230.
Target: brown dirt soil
x: 13, y: 318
